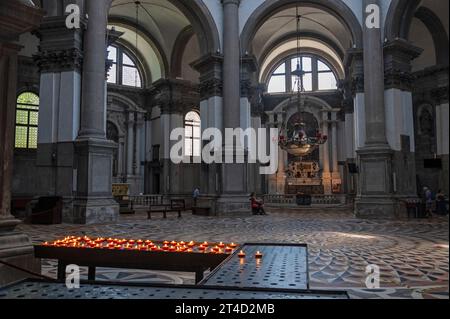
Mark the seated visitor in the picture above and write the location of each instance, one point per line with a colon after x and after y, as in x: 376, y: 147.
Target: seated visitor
x: 441, y: 204
x: 257, y: 205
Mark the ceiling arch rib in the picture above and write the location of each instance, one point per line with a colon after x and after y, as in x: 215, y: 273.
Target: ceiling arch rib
x: 331, y: 19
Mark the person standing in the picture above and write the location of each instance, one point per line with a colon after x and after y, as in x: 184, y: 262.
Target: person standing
x: 428, y: 199
x: 196, y: 195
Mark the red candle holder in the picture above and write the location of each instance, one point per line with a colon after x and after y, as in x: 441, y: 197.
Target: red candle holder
x: 242, y: 254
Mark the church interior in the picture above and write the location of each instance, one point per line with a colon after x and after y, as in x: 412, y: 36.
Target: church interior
x: 91, y: 91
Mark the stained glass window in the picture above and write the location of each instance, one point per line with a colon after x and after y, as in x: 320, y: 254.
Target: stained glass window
x: 27, y: 121
x: 124, y: 70
x: 192, y: 124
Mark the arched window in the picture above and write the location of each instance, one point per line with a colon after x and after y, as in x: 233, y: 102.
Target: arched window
x: 124, y: 70
x: 318, y: 76
x: 27, y: 120
x: 192, y: 124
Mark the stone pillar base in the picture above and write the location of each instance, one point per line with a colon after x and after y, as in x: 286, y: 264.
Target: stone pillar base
x: 93, y: 202
x: 327, y: 182
x: 88, y: 211
x: 375, y: 197
x: 232, y: 204
x: 15, y: 249
x: 375, y: 207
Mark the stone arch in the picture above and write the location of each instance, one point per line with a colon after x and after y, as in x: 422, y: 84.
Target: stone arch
x: 337, y: 8
x: 399, y: 18
x: 202, y: 22
x: 438, y: 32
x: 177, y: 53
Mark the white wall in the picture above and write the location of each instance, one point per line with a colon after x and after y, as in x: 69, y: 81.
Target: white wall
x: 359, y: 121
x: 399, y: 118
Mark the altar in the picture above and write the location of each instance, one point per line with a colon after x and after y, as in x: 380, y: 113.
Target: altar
x: 305, y: 178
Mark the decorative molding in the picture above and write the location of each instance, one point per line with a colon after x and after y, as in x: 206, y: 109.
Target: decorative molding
x: 398, y: 55
x: 174, y: 96
x: 59, y: 60
x: 210, y: 88
x: 210, y: 69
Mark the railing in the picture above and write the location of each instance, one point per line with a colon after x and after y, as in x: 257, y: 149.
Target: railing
x: 336, y: 199
x: 146, y: 200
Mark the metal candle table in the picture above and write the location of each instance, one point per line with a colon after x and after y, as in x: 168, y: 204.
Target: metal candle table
x: 282, y: 266
x: 92, y: 258
x: 37, y: 289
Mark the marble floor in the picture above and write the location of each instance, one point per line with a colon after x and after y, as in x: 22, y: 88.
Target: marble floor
x: 413, y: 255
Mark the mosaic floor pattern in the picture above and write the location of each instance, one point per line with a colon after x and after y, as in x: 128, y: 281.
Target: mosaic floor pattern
x: 413, y: 255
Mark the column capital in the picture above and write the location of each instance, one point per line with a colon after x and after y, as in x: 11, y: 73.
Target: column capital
x: 354, y: 62
x: 210, y: 68
x: 398, y: 55
x: 231, y: 2
x: 174, y: 96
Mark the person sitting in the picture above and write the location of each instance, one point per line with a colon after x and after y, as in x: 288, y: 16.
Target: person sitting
x: 257, y: 205
x: 441, y: 204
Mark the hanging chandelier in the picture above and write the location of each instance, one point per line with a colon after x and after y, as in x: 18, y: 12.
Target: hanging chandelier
x: 295, y: 141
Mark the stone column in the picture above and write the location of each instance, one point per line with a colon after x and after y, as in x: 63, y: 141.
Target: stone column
x: 139, y: 153
x: 375, y: 191
x: 354, y: 113
x: 211, y: 111
x: 15, y: 247
x: 326, y: 171
x: 398, y: 55
x: 234, y: 197
x: 94, y: 202
x: 130, y: 144
x: 336, y: 175
x: 59, y: 63
x: 231, y: 64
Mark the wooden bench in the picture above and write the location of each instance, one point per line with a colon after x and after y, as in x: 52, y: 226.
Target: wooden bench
x: 175, y: 206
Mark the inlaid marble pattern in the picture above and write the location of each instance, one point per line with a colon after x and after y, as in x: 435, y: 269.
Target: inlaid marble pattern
x: 412, y: 254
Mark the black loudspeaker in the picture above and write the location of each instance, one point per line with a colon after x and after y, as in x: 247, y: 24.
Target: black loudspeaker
x: 433, y: 163
x: 353, y: 168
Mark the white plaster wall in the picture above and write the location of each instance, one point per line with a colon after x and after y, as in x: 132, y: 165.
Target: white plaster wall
x: 211, y: 111
x: 399, y: 118
x: 215, y: 8
x: 245, y: 113
x: 442, y: 115
x: 169, y: 122
x: 360, y: 121
x: 49, y: 101
x: 246, y: 9
x: 69, y: 107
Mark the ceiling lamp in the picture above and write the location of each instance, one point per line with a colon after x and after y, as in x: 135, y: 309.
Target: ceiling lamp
x: 295, y: 140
